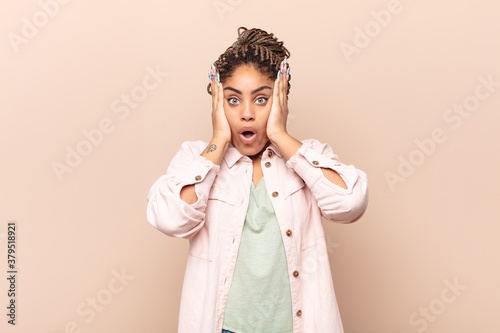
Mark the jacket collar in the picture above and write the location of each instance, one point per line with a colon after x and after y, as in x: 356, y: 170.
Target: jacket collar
x: 233, y: 155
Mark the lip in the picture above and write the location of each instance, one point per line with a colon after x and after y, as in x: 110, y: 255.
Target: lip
x: 251, y: 139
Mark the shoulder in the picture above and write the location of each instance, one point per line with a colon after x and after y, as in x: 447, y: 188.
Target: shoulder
x: 185, y: 155
x: 193, y: 147
x: 188, y: 151
x: 315, y: 144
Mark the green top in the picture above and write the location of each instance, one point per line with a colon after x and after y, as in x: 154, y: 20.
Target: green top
x: 259, y: 298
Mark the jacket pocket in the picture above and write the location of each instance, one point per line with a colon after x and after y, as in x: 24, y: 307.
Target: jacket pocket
x: 202, y: 245
x: 306, y: 214
x: 292, y: 185
x: 223, y: 195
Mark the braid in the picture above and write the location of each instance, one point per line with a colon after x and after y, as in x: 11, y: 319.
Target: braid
x: 254, y: 46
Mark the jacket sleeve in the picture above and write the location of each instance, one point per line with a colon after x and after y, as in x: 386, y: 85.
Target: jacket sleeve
x: 166, y: 211
x: 336, y: 203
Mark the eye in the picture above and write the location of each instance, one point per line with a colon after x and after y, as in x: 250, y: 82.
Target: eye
x: 232, y: 99
x: 262, y: 100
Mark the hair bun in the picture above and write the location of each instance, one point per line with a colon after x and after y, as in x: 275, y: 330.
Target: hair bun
x: 255, y: 46
x: 241, y: 28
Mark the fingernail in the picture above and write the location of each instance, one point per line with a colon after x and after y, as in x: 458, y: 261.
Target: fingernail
x: 218, y: 77
x: 212, y: 69
x: 279, y: 73
x: 288, y: 72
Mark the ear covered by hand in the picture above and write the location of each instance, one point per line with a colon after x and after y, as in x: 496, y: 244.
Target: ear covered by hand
x: 220, y: 124
x: 276, y: 124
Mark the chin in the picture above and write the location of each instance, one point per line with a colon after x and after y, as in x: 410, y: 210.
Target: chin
x: 250, y: 150
x: 245, y: 150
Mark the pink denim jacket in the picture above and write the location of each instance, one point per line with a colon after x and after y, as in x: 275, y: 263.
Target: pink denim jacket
x: 300, y: 195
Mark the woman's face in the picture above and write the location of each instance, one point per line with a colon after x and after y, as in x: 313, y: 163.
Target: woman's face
x: 247, y: 104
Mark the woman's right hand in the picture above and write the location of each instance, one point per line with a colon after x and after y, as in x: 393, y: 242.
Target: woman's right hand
x: 221, y: 128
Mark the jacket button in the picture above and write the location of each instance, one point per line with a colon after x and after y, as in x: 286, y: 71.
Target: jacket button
x: 299, y: 313
x: 315, y: 162
x: 275, y: 194
x: 296, y: 273
x: 289, y: 232
x: 270, y: 153
x: 268, y: 164
x: 197, y: 177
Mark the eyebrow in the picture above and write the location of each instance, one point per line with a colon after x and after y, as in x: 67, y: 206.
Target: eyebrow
x: 253, y: 92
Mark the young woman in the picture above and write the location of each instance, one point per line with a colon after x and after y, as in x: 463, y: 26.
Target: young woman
x: 250, y: 202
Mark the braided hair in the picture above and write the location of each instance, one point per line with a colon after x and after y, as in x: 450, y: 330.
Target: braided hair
x: 256, y: 47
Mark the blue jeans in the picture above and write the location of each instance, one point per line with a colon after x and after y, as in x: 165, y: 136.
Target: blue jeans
x: 226, y: 331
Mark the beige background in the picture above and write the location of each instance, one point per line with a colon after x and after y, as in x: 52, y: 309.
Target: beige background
x: 437, y: 226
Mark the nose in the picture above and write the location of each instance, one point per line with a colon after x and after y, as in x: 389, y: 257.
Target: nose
x: 247, y: 112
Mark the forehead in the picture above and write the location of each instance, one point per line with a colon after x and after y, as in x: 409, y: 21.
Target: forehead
x: 247, y: 77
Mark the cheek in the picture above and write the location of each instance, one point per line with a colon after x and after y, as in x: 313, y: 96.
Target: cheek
x: 230, y: 120
x: 266, y: 113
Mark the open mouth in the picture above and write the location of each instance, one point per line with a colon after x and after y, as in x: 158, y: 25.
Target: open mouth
x: 248, y: 137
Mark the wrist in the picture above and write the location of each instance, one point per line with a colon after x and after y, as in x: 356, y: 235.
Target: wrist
x: 215, y: 150
x: 286, y: 144
x: 221, y: 133
x: 221, y: 140
x: 277, y: 136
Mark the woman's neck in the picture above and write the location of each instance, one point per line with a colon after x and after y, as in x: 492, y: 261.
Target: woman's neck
x: 259, y: 154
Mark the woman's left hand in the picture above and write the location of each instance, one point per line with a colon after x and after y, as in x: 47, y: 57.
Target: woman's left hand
x: 276, y: 123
